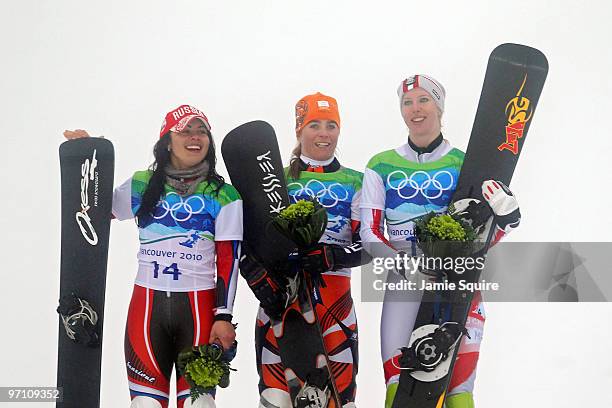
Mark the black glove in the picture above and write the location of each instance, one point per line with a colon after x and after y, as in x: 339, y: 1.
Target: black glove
x: 268, y: 289
x: 317, y: 259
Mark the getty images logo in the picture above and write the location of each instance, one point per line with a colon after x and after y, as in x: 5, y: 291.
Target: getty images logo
x: 88, y: 173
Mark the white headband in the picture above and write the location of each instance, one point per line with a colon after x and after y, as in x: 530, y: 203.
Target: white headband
x: 433, y: 87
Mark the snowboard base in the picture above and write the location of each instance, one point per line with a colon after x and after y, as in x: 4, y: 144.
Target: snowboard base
x: 87, y: 167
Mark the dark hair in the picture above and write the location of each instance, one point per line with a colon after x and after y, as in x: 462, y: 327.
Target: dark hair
x: 155, y: 187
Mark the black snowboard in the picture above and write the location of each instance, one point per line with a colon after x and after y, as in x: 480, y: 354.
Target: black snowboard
x: 253, y: 161
x: 513, y: 82
x: 87, y: 167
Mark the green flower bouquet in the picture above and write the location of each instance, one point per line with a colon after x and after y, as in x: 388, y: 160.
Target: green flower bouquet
x: 303, y: 223
x: 204, y: 368
x: 446, y: 235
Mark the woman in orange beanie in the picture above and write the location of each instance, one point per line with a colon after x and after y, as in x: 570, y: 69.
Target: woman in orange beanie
x: 316, y: 173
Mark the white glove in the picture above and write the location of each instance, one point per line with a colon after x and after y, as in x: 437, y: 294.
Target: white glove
x: 503, y: 204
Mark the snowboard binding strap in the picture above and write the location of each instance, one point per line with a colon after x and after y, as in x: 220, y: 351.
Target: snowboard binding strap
x: 427, y: 352
x: 316, y: 392
x: 79, y: 319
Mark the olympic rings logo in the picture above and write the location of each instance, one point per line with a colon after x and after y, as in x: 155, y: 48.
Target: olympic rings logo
x: 177, y: 207
x: 431, y: 187
x: 316, y: 189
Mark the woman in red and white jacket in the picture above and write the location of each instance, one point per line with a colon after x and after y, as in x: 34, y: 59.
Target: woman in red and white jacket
x: 190, y: 228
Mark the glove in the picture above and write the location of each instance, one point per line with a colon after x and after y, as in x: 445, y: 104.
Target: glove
x: 317, y: 260
x: 267, y: 289
x: 400, y: 267
x: 407, y: 266
x: 503, y: 204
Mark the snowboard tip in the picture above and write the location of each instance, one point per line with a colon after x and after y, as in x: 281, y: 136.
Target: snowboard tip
x: 254, y: 126
x: 256, y: 131
x: 76, y: 146
x: 520, y: 54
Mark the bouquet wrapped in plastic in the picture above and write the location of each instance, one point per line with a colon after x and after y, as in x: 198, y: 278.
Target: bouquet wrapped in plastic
x: 442, y: 235
x: 205, y: 367
x: 303, y: 223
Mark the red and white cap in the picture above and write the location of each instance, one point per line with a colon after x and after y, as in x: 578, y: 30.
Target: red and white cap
x: 176, y: 120
x: 430, y: 85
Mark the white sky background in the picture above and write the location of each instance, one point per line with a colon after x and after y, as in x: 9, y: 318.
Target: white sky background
x: 115, y: 68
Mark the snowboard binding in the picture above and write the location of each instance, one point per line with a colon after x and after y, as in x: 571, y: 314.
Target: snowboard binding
x: 474, y: 212
x: 426, y: 353
x: 316, y: 391
x: 80, y: 320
